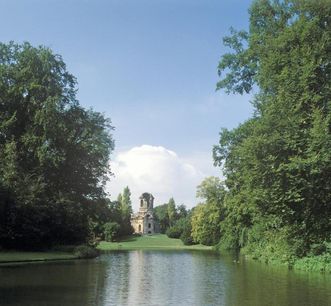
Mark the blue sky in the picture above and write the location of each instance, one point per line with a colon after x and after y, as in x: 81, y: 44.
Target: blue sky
x: 149, y: 65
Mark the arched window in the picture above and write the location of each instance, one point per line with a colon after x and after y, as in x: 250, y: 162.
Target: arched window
x: 149, y: 225
x: 141, y: 203
x: 139, y: 228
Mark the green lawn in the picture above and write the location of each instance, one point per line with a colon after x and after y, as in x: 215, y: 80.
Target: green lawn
x: 17, y: 256
x: 149, y: 242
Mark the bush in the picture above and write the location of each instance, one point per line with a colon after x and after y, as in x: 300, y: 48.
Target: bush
x: 111, y: 230
x: 320, y: 263
x: 186, y: 238
x: 85, y: 251
x: 174, y: 232
x: 317, y: 249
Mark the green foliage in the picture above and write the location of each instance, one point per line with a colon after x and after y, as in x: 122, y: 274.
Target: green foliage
x: 111, y: 231
x: 206, y: 217
x: 161, y: 216
x: 211, y: 190
x: 320, y: 263
x: 181, y: 211
x: 54, y: 154
x: 174, y: 232
x: 168, y: 214
x: 277, y: 164
x: 126, y: 205
x: 85, y: 251
x: 186, y: 230
x: 205, y: 224
x: 124, y: 201
x: 171, y: 211
x: 186, y: 236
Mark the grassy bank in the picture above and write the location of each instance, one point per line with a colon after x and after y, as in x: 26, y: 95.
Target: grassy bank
x: 320, y: 263
x: 155, y: 242
x: 312, y: 263
x: 65, y: 252
x: 18, y: 256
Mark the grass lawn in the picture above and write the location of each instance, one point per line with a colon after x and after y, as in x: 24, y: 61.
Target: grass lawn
x: 17, y: 256
x: 156, y: 242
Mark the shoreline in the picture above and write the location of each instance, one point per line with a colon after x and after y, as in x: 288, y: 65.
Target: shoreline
x: 8, y: 258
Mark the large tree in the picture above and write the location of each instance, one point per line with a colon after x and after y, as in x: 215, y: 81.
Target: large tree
x: 278, y: 163
x: 54, y: 154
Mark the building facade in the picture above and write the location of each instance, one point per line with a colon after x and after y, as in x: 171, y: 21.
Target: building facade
x: 143, y: 222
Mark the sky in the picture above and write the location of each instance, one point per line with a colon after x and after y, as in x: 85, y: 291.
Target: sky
x: 151, y: 67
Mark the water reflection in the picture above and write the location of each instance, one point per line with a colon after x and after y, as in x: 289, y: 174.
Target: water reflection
x: 161, y: 278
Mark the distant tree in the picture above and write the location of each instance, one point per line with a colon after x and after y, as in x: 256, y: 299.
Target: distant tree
x: 126, y: 204
x: 181, y: 211
x: 161, y: 215
x: 172, y: 214
x: 186, y: 233
x: 111, y: 230
x: 181, y: 229
x: 119, y: 198
x: 124, y: 200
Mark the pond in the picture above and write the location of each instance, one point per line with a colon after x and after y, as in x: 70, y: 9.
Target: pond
x: 161, y: 278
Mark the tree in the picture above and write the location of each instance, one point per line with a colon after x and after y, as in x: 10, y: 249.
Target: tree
x: 124, y: 201
x: 171, y: 211
x: 277, y: 163
x: 161, y: 215
x: 111, y: 230
x: 207, y: 216
x: 211, y: 190
x: 54, y: 154
x: 205, y: 225
x: 126, y: 204
x: 181, y: 211
x: 182, y: 229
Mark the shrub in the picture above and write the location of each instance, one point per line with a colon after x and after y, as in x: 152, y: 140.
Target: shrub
x: 111, y: 230
x: 317, y: 249
x: 85, y: 251
x: 174, y: 232
x: 321, y: 263
x: 186, y: 238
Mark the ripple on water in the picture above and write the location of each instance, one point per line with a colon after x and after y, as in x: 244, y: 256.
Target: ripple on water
x: 161, y: 278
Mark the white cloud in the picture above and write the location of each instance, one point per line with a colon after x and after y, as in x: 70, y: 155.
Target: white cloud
x: 159, y: 171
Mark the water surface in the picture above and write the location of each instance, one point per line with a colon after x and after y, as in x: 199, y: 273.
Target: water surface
x: 161, y: 278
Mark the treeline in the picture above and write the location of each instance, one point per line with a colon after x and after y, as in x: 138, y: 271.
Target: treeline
x: 201, y: 224
x: 174, y: 221
x: 118, y: 222
x: 277, y: 195
x: 54, y: 154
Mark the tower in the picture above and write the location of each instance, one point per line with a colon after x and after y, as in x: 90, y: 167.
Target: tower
x: 143, y: 221
x: 146, y: 202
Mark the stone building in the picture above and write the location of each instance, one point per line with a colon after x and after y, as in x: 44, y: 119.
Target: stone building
x: 143, y: 222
